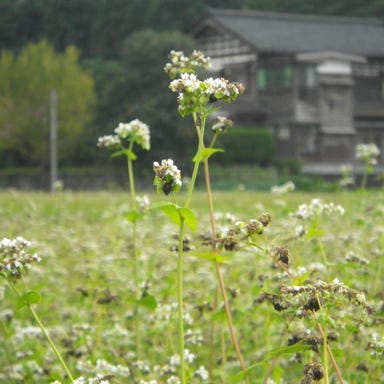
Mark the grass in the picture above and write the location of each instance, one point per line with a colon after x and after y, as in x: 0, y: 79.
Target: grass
x: 87, y: 287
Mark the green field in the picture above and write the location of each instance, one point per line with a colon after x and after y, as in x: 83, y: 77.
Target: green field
x: 86, y: 280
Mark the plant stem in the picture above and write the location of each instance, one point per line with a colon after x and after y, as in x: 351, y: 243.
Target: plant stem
x: 219, y: 272
x: 212, y: 337
x: 46, y: 334
x: 132, y: 189
x: 200, y: 128
x: 52, y: 344
x: 329, y: 351
x: 180, y: 316
x: 131, y: 179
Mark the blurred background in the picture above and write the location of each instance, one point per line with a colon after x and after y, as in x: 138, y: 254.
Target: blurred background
x: 104, y: 61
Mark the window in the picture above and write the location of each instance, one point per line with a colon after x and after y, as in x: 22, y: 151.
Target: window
x: 274, y: 77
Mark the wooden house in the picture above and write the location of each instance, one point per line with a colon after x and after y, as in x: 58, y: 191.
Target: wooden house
x: 316, y: 81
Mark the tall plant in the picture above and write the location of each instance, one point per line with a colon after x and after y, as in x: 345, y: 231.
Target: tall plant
x: 197, y: 98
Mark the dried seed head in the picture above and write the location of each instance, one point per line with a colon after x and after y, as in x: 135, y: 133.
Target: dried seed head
x: 312, y: 304
x: 314, y: 371
x: 265, y: 218
x: 282, y: 254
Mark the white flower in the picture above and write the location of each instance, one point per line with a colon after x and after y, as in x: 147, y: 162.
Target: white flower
x: 143, y: 202
x: 180, y: 63
x: 136, y: 131
x: 222, y: 124
x: 14, y: 260
x: 167, y: 176
x: 317, y: 207
x: 287, y: 187
x: 368, y: 153
x: 173, y: 380
x: 202, y: 373
x: 111, y: 142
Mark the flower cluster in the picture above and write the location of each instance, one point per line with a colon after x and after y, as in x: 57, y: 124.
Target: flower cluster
x: 14, y: 260
x: 317, y: 207
x: 111, y: 142
x: 99, y: 379
x: 143, y: 203
x: 135, y: 131
x: 368, y: 153
x: 323, y: 289
x: 222, y: 124
x: 103, y: 368
x: 281, y: 189
x: 194, y: 93
x: 347, y: 177
x: 376, y: 346
x: 179, y: 63
x: 167, y: 177
x: 241, y: 234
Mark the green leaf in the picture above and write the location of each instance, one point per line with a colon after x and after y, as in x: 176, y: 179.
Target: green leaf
x: 299, y: 280
x: 28, y: 298
x: 149, y: 302
x: 133, y: 216
x: 206, y: 153
x: 219, y: 316
x: 211, y: 256
x: 171, y: 210
x: 125, y: 152
x: 313, y: 231
x: 291, y: 349
x: 189, y: 217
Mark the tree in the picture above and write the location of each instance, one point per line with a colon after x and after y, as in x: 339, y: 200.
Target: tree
x: 25, y: 85
x: 139, y: 89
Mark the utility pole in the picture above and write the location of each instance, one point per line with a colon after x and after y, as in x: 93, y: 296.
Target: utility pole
x: 53, y: 137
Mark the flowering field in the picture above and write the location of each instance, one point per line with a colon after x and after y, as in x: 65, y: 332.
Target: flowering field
x: 303, y: 276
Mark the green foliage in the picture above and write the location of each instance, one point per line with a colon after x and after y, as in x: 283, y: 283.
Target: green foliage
x: 27, y: 299
x: 26, y: 83
x: 84, y: 259
x: 176, y: 213
x: 247, y: 146
x: 138, y: 88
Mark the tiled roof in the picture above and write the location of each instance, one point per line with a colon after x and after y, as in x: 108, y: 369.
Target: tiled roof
x: 276, y: 32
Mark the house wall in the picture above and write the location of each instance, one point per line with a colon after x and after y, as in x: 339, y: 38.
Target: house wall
x: 336, y: 103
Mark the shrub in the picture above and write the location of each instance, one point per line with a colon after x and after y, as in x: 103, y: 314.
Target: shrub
x: 247, y: 146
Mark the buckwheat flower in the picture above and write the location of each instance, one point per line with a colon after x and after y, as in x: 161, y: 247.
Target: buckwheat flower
x: 352, y: 257
x: 142, y: 366
x: 79, y: 380
x: 202, y: 373
x: 14, y: 260
x: 222, y: 124
x: 136, y: 131
x: 188, y: 83
x: 193, y: 93
x: 317, y: 207
x: 368, y: 153
x: 173, y: 380
x: 179, y: 63
x: 110, y: 142
x: 167, y: 177
x: 285, y: 188
x: 189, y: 357
x: 143, y: 203
x: 222, y: 89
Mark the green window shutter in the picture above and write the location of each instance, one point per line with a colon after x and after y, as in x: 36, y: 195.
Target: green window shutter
x: 261, y: 79
x: 287, y: 76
